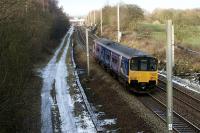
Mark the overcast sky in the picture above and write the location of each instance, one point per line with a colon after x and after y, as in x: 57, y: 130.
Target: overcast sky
x: 82, y: 7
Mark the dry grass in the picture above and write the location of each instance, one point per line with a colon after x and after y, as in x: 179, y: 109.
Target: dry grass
x: 183, y: 60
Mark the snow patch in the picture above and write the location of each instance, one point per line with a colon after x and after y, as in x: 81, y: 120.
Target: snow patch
x: 99, y: 124
x: 108, y: 122
x: 183, y: 82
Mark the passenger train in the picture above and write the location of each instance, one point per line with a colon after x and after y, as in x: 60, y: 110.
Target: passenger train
x: 136, y: 69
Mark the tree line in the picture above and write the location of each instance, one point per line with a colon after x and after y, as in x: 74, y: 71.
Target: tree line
x: 186, y: 21
x: 131, y: 16
x: 29, y: 31
x: 187, y: 17
x: 130, y: 13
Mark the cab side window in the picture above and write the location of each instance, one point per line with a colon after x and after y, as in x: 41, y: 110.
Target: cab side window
x: 134, y: 65
x: 153, y: 65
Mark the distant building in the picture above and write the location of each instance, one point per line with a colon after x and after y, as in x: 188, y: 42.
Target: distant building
x: 77, y: 21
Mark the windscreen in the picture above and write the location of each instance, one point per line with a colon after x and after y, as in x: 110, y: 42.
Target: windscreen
x: 143, y: 64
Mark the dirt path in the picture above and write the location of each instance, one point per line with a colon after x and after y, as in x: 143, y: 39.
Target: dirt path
x: 58, y: 109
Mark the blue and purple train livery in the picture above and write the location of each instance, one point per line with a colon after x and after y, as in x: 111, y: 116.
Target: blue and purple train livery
x: 135, y: 68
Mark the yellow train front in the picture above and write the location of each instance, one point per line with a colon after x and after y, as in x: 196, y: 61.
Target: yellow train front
x: 134, y: 68
x: 143, y: 74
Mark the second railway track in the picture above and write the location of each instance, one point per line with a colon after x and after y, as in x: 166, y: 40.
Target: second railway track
x: 181, y: 123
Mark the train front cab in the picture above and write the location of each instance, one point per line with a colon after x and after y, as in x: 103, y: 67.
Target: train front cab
x: 143, y: 74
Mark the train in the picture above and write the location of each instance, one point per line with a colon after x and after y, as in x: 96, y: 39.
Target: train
x: 137, y: 70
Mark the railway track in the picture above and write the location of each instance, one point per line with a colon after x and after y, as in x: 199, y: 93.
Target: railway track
x: 185, y: 98
x: 82, y: 39
x: 188, y: 50
x: 184, y: 103
x: 181, y: 91
x: 180, y: 124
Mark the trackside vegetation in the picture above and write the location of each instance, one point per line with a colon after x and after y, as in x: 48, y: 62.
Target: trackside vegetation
x: 29, y: 32
x: 147, y: 32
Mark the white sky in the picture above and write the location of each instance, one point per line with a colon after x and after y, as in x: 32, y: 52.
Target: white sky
x: 82, y: 7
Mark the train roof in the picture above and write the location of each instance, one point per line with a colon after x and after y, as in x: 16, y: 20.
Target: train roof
x: 121, y: 49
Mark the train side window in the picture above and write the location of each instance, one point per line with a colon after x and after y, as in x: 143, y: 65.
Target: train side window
x: 102, y: 51
x: 114, y: 60
x: 153, y: 65
x: 107, y: 56
x: 97, y: 49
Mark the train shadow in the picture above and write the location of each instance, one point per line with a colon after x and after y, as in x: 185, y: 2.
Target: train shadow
x: 138, y: 94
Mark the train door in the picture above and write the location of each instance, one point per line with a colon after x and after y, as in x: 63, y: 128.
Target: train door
x: 124, y: 67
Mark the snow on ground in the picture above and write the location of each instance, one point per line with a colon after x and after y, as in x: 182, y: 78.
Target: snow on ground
x: 184, y: 82
x: 94, y: 114
x: 48, y: 75
x: 55, y: 77
x: 64, y: 101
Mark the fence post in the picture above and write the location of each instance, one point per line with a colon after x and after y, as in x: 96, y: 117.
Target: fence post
x: 118, y: 25
x: 87, y: 51
x: 173, y: 52
x: 101, y: 21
